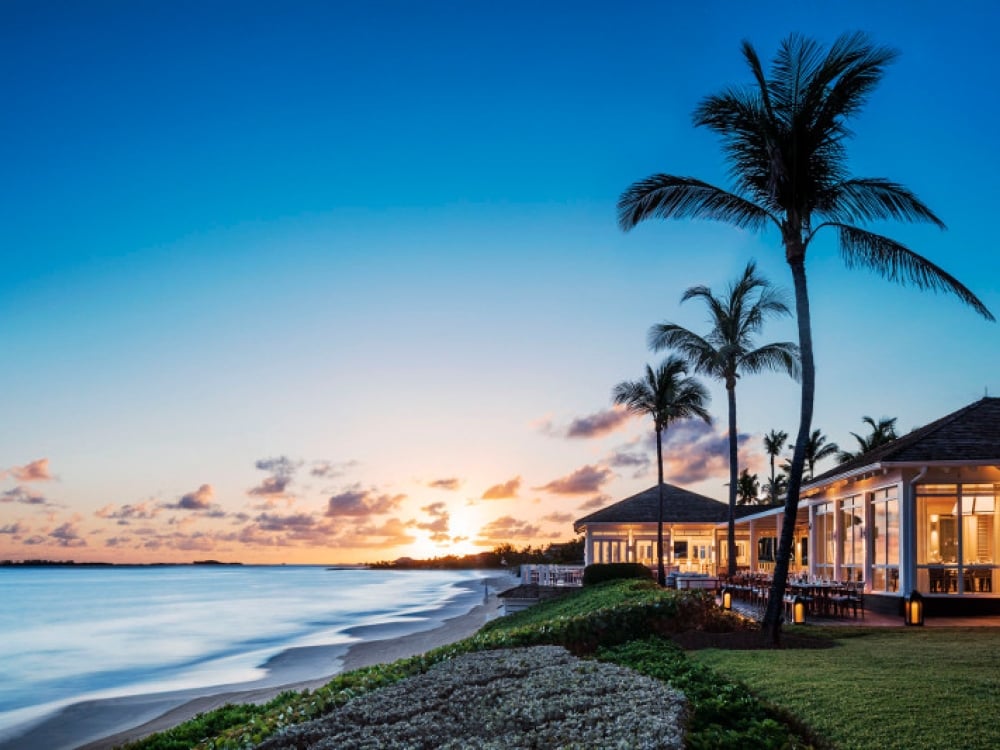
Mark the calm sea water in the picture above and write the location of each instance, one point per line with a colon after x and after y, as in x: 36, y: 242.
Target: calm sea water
x: 68, y: 634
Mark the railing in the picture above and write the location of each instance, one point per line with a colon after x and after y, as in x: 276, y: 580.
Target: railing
x: 552, y: 575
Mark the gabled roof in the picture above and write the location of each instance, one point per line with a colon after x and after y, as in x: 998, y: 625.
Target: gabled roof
x: 969, y: 435
x: 679, y: 506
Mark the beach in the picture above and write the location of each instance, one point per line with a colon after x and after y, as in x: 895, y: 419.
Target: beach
x: 103, y: 724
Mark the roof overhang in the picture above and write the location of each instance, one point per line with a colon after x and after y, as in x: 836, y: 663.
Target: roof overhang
x: 884, y: 466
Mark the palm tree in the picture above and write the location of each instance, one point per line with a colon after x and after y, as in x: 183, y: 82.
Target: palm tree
x: 747, y: 488
x: 666, y: 395
x: 784, y: 137
x: 776, y: 487
x: 817, y: 449
x: 883, y: 431
x: 728, y: 351
x: 774, y: 443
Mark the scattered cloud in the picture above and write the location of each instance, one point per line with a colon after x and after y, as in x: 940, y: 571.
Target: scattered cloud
x: 626, y: 457
x: 22, y: 495
x: 357, y: 502
x: 391, y: 533
x: 504, y: 529
x: 451, y: 483
x: 297, y: 521
x: 282, y: 469
x: 598, y: 501
x: 581, y: 482
x: 14, y: 529
x: 503, y: 491
x: 557, y: 518
x: 128, y: 513
x: 693, y: 452
x: 331, y: 469
x: 68, y: 536
x: 36, y: 471
x: 200, y: 499
x: 598, y: 424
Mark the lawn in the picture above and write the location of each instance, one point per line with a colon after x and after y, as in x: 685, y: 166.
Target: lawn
x: 882, y: 687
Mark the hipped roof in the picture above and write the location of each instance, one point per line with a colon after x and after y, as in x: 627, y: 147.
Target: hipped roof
x: 967, y: 436
x: 679, y: 506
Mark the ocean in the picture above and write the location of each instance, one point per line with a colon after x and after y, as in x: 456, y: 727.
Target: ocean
x: 70, y: 634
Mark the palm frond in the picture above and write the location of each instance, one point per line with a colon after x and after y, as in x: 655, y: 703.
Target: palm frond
x: 873, y: 198
x: 670, y: 197
x: 778, y: 357
x: 896, y: 262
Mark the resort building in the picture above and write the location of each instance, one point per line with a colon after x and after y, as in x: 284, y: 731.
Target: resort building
x: 916, y: 514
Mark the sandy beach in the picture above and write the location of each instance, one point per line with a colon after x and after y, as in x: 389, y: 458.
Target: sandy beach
x: 104, y: 724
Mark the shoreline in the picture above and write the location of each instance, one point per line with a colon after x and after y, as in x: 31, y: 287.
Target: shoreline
x: 103, y: 724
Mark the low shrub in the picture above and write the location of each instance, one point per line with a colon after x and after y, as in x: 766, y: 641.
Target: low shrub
x: 601, y: 572
x: 724, y: 714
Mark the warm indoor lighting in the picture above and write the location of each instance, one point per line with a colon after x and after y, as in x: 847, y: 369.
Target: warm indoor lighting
x: 727, y: 599
x: 913, y: 609
x: 934, y: 517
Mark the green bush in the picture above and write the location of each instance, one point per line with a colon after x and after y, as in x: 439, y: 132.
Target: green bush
x: 601, y: 572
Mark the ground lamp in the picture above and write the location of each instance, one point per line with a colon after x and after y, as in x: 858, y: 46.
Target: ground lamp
x: 727, y: 599
x: 913, y: 609
x: 798, y: 610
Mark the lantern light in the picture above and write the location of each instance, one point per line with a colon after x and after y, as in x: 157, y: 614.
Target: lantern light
x: 913, y: 609
x: 727, y: 599
x: 798, y: 610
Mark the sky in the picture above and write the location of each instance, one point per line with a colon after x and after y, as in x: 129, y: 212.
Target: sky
x: 297, y: 282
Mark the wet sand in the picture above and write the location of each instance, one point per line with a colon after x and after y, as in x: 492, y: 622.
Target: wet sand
x: 104, y: 724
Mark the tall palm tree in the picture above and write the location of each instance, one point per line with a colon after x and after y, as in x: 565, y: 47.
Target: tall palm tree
x: 728, y: 351
x: 666, y: 395
x: 774, y: 443
x: 817, y: 449
x: 784, y: 137
x: 883, y: 431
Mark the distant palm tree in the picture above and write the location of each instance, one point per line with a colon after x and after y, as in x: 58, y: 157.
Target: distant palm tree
x: 747, y: 488
x: 774, y: 443
x: 728, y: 351
x: 883, y: 431
x: 817, y: 449
x: 666, y: 395
x: 777, y: 487
x: 784, y: 137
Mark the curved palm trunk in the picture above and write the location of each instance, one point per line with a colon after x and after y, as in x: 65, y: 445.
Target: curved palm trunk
x: 731, y: 532
x: 773, y: 614
x: 660, y: 571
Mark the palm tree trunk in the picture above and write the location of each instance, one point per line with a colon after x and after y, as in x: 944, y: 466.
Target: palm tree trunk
x: 660, y: 571
x: 775, y: 608
x: 731, y: 533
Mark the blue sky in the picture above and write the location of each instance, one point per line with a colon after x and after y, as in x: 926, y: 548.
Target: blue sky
x: 379, y: 240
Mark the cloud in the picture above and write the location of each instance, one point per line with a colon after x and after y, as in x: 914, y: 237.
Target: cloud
x: 693, y: 452
x: 22, y: 495
x: 36, y: 471
x: 598, y: 424
x: 295, y: 522
x: 200, y: 499
x: 557, y: 518
x: 505, y: 528
x: 451, y: 483
x: 68, y: 536
x: 357, y: 502
x: 331, y: 469
x: 436, y: 509
x: 281, y: 469
x: 503, y: 491
x: 598, y: 501
x: 128, y: 513
x: 581, y: 482
x: 392, y: 533
x: 14, y: 529
x: 624, y: 457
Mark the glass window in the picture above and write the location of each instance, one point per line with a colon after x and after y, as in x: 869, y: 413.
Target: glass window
x: 852, y: 537
x: 885, y: 541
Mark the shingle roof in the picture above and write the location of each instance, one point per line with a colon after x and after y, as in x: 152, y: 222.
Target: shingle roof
x: 679, y: 506
x: 968, y: 435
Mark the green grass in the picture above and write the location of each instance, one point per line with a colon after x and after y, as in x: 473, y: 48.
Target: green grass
x: 882, y: 687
